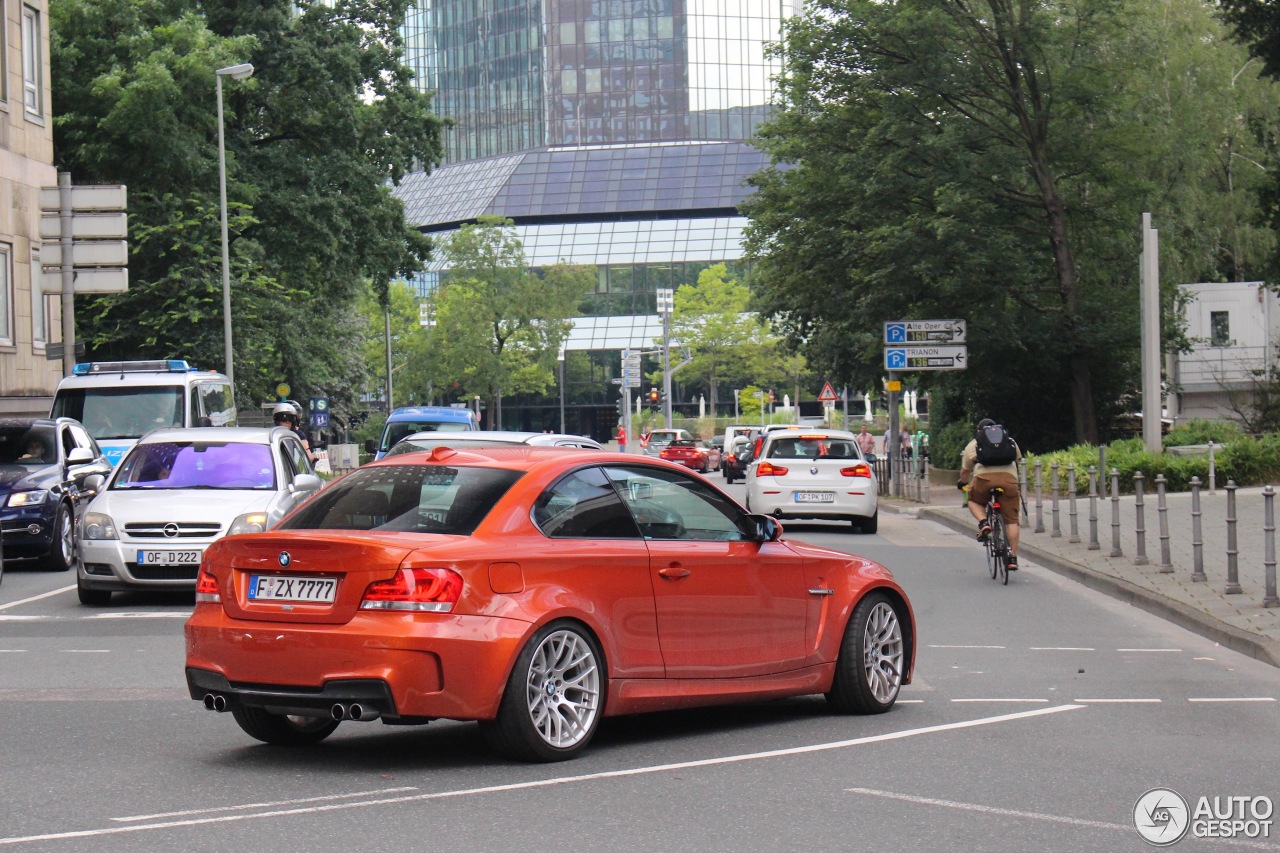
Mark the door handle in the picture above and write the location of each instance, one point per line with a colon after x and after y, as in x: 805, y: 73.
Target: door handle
x: 673, y: 573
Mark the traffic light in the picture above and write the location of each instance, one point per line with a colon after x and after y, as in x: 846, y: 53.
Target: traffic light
x: 662, y: 397
x: 654, y: 397
x: 621, y: 406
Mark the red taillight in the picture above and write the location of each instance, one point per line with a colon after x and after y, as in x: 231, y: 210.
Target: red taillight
x: 207, y: 588
x: 859, y: 470
x: 435, y: 590
x: 766, y: 469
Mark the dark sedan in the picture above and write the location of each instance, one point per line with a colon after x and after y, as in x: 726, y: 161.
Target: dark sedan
x: 43, y: 465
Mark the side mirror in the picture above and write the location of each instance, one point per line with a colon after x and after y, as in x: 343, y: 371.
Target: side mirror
x: 767, y: 528
x: 79, y: 456
x: 369, y: 446
x: 93, y: 484
x: 306, y: 483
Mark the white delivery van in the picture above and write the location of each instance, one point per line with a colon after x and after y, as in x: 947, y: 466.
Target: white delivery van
x: 120, y: 401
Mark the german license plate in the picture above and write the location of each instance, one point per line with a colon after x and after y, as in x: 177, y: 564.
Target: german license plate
x: 292, y: 588
x: 815, y: 497
x: 169, y: 558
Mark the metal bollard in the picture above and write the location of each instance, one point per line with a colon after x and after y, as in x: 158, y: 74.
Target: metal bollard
x: 1233, y: 563
x: 1213, y: 477
x: 1197, y: 540
x: 1071, y: 513
x: 1140, y: 556
x: 1022, y: 491
x: 1269, y: 598
x: 1115, y: 513
x: 1057, y: 528
x: 1162, y: 510
x: 1093, y: 509
x: 1039, y: 496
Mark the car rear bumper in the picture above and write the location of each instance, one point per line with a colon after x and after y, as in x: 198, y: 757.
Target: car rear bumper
x: 400, y: 664
x: 111, y: 564
x: 782, y: 504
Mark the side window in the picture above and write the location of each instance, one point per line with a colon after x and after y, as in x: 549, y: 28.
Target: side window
x: 214, y: 402
x: 583, y: 505
x: 672, y: 505
x: 83, y: 439
x: 68, y: 442
x: 297, y: 457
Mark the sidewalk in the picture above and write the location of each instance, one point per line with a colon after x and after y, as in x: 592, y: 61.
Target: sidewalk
x: 1237, y: 621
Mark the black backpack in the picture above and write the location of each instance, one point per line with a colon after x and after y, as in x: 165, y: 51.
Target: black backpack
x: 995, y: 446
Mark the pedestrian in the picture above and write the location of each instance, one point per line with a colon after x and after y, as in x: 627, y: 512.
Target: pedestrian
x: 622, y: 439
x: 866, y: 443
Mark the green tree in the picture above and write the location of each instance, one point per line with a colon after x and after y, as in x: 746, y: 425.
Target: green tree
x: 329, y: 119
x: 498, y: 325
x: 711, y: 318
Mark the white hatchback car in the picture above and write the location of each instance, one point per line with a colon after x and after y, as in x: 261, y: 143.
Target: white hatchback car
x: 813, y: 473
x: 176, y: 491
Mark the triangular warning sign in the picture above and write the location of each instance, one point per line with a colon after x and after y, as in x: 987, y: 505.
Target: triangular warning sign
x: 828, y: 394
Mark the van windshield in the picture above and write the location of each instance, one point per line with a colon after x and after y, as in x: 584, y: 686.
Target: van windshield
x: 126, y: 412
x: 397, y: 430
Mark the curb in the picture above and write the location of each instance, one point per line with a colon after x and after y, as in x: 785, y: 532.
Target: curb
x: 1182, y: 615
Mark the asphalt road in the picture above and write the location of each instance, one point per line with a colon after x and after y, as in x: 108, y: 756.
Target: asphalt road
x: 1041, y: 712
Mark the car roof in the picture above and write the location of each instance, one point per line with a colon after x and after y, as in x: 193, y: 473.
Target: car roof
x: 409, y: 413
x: 497, y: 436
x: 234, y: 435
x: 521, y: 457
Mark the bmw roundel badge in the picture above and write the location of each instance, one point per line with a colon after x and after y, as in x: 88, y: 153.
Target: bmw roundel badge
x: 285, y: 559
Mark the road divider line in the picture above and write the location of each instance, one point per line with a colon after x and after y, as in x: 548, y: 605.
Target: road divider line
x: 1117, y: 701
x: 86, y: 651
x: 544, y: 783
x: 1000, y: 700
x: 48, y: 594
x: 1052, y: 818
x: 13, y: 617
x: 1061, y: 649
x: 1234, y: 699
x: 966, y: 647
x: 299, y: 801
x: 161, y: 615
x: 1148, y: 650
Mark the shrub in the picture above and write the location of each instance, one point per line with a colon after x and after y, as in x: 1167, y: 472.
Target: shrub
x: 1202, y: 432
x: 1248, y: 461
x: 946, y: 445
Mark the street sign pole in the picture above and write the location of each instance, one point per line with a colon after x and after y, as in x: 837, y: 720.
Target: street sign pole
x: 893, y: 447
x: 68, y: 275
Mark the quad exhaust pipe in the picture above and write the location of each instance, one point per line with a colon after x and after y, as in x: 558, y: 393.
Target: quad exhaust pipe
x: 215, y: 702
x: 354, y: 711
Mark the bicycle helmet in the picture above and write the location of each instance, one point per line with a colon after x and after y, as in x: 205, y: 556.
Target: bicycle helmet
x: 284, y: 413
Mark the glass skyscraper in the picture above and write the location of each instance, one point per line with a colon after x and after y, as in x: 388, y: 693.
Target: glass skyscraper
x: 612, y: 132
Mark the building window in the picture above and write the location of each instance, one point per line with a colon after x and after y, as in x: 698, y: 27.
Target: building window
x: 32, y: 84
x: 6, y: 296
x: 39, y: 318
x: 1219, y: 328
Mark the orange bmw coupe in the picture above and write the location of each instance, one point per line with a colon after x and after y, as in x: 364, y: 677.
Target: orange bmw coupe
x: 535, y: 590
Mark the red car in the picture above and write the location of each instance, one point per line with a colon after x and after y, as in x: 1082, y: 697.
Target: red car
x: 692, y: 454
x: 536, y: 590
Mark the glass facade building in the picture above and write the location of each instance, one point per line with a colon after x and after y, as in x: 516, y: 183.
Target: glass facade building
x: 612, y: 132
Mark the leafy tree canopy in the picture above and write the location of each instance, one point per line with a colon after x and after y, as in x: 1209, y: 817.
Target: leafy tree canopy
x: 313, y: 139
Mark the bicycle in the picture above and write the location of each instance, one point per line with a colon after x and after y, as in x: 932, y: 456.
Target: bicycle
x: 997, y: 541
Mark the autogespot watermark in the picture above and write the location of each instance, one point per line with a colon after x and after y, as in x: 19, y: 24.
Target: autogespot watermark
x: 1164, y: 817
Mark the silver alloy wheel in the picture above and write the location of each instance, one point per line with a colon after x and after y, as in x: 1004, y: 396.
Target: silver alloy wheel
x: 67, y: 539
x: 563, y: 689
x: 882, y: 652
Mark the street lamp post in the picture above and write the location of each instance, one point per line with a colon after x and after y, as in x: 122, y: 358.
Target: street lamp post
x: 666, y: 304
x: 236, y: 72
x: 561, y: 360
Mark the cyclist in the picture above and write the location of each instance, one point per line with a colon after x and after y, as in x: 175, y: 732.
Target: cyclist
x: 983, y: 477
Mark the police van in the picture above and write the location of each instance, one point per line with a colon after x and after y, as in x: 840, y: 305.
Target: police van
x: 410, y: 419
x: 120, y: 401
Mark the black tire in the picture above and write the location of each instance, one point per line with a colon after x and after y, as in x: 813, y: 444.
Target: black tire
x: 554, y: 698
x: 62, y: 552
x: 868, y: 525
x: 281, y: 730
x: 93, y: 597
x: 999, y: 550
x: 869, y: 670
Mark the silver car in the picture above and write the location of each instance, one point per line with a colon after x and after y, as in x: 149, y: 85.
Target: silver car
x: 419, y: 441
x: 178, y: 490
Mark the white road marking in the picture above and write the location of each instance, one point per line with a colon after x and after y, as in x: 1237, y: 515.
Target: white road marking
x: 11, y: 651
x: 157, y: 615
x: 999, y: 700
x: 966, y: 647
x: 10, y: 617
x: 1148, y: 650
x: 1236, y: 699
x: 1116, y: 701
x: 1061, y: 649
x: 37, y: 597
x: 910, y: 701
x: 1053, y: 818
x: 326, y: 798
x: 87, y: 651
x: 545, y: 783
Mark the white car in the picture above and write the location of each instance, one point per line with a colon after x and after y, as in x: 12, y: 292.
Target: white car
x: 175, y: 492
x: 487, y: 438
x: 813, y: 473
x: 660, y: 438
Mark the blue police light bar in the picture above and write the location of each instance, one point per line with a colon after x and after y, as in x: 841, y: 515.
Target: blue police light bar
x: 172, y: 365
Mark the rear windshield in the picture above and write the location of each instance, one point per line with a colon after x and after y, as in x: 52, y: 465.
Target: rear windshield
x: 432, y: 444
x: 197, y: 465
x: 406, y: 498
x: 813, y: 447
x: 397, y: 430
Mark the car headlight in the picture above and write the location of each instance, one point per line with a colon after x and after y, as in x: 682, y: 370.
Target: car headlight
x: 250, y: 522
x: 97, y: 525
x: 32, y: 498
